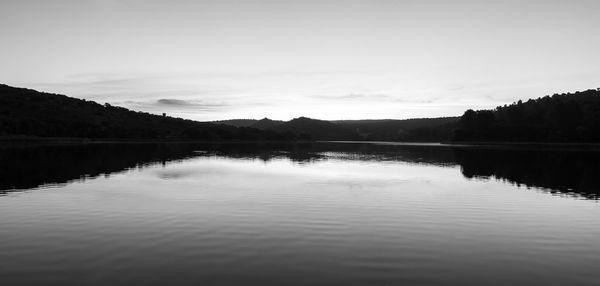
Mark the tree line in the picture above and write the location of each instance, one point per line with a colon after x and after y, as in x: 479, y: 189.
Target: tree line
x: 26, y: 112
x: 566, y: 117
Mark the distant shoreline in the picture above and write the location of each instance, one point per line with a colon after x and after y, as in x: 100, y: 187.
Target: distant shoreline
x: 498, y: 144
x: 27, y: 139
x: 490, y: 144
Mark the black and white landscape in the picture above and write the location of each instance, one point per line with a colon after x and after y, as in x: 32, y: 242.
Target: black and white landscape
x: 279, y: 142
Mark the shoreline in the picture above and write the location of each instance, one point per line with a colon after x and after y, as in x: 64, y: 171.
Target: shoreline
x: 499, y: 144
x: 533, y: 146
x: 76, y: 140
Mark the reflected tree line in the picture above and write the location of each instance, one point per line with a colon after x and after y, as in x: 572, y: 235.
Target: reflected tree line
x: 561, y: 172
x: 33, y: 165
x: 566, y: 172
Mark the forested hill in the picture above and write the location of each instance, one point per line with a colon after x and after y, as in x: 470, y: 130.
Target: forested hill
x: 567, y: 117
x: 416, y: 129
x: 419, y: 129
x: 27, y: 112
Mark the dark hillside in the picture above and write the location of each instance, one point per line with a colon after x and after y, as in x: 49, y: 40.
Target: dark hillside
x: 26, y: 112
x: 316, y: 129
x: 266, y: 123
x: 419, y: 129
x: 567, y: 117
x: 236, y: 122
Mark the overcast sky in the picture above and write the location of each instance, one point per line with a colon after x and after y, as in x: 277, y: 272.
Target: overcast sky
x: 209, y: 60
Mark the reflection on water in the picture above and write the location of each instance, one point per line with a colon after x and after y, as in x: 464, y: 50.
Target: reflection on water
x: 309, y: 214
x: 559, y: 172
x: 562, y: 172
x: 33, y: 165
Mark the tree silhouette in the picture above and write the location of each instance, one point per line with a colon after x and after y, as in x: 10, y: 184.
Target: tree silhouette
x: 567, y: 117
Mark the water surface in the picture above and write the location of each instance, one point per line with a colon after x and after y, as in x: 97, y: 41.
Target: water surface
x: 311, y: 214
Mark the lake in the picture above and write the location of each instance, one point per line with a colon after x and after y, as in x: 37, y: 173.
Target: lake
x: 298, y: 214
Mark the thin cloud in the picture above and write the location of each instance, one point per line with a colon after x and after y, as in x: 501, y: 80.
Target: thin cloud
x: 352, y: 96
x: 174, y: 102
x: 190, y: 104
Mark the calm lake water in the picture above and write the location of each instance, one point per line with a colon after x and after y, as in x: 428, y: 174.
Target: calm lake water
x: 313, y: 214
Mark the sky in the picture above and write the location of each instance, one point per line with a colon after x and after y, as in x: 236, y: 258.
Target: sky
x: 213, y: 60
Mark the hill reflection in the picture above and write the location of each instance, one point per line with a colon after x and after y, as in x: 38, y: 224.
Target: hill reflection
x: 31, y: 166
x: 561, y: 172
